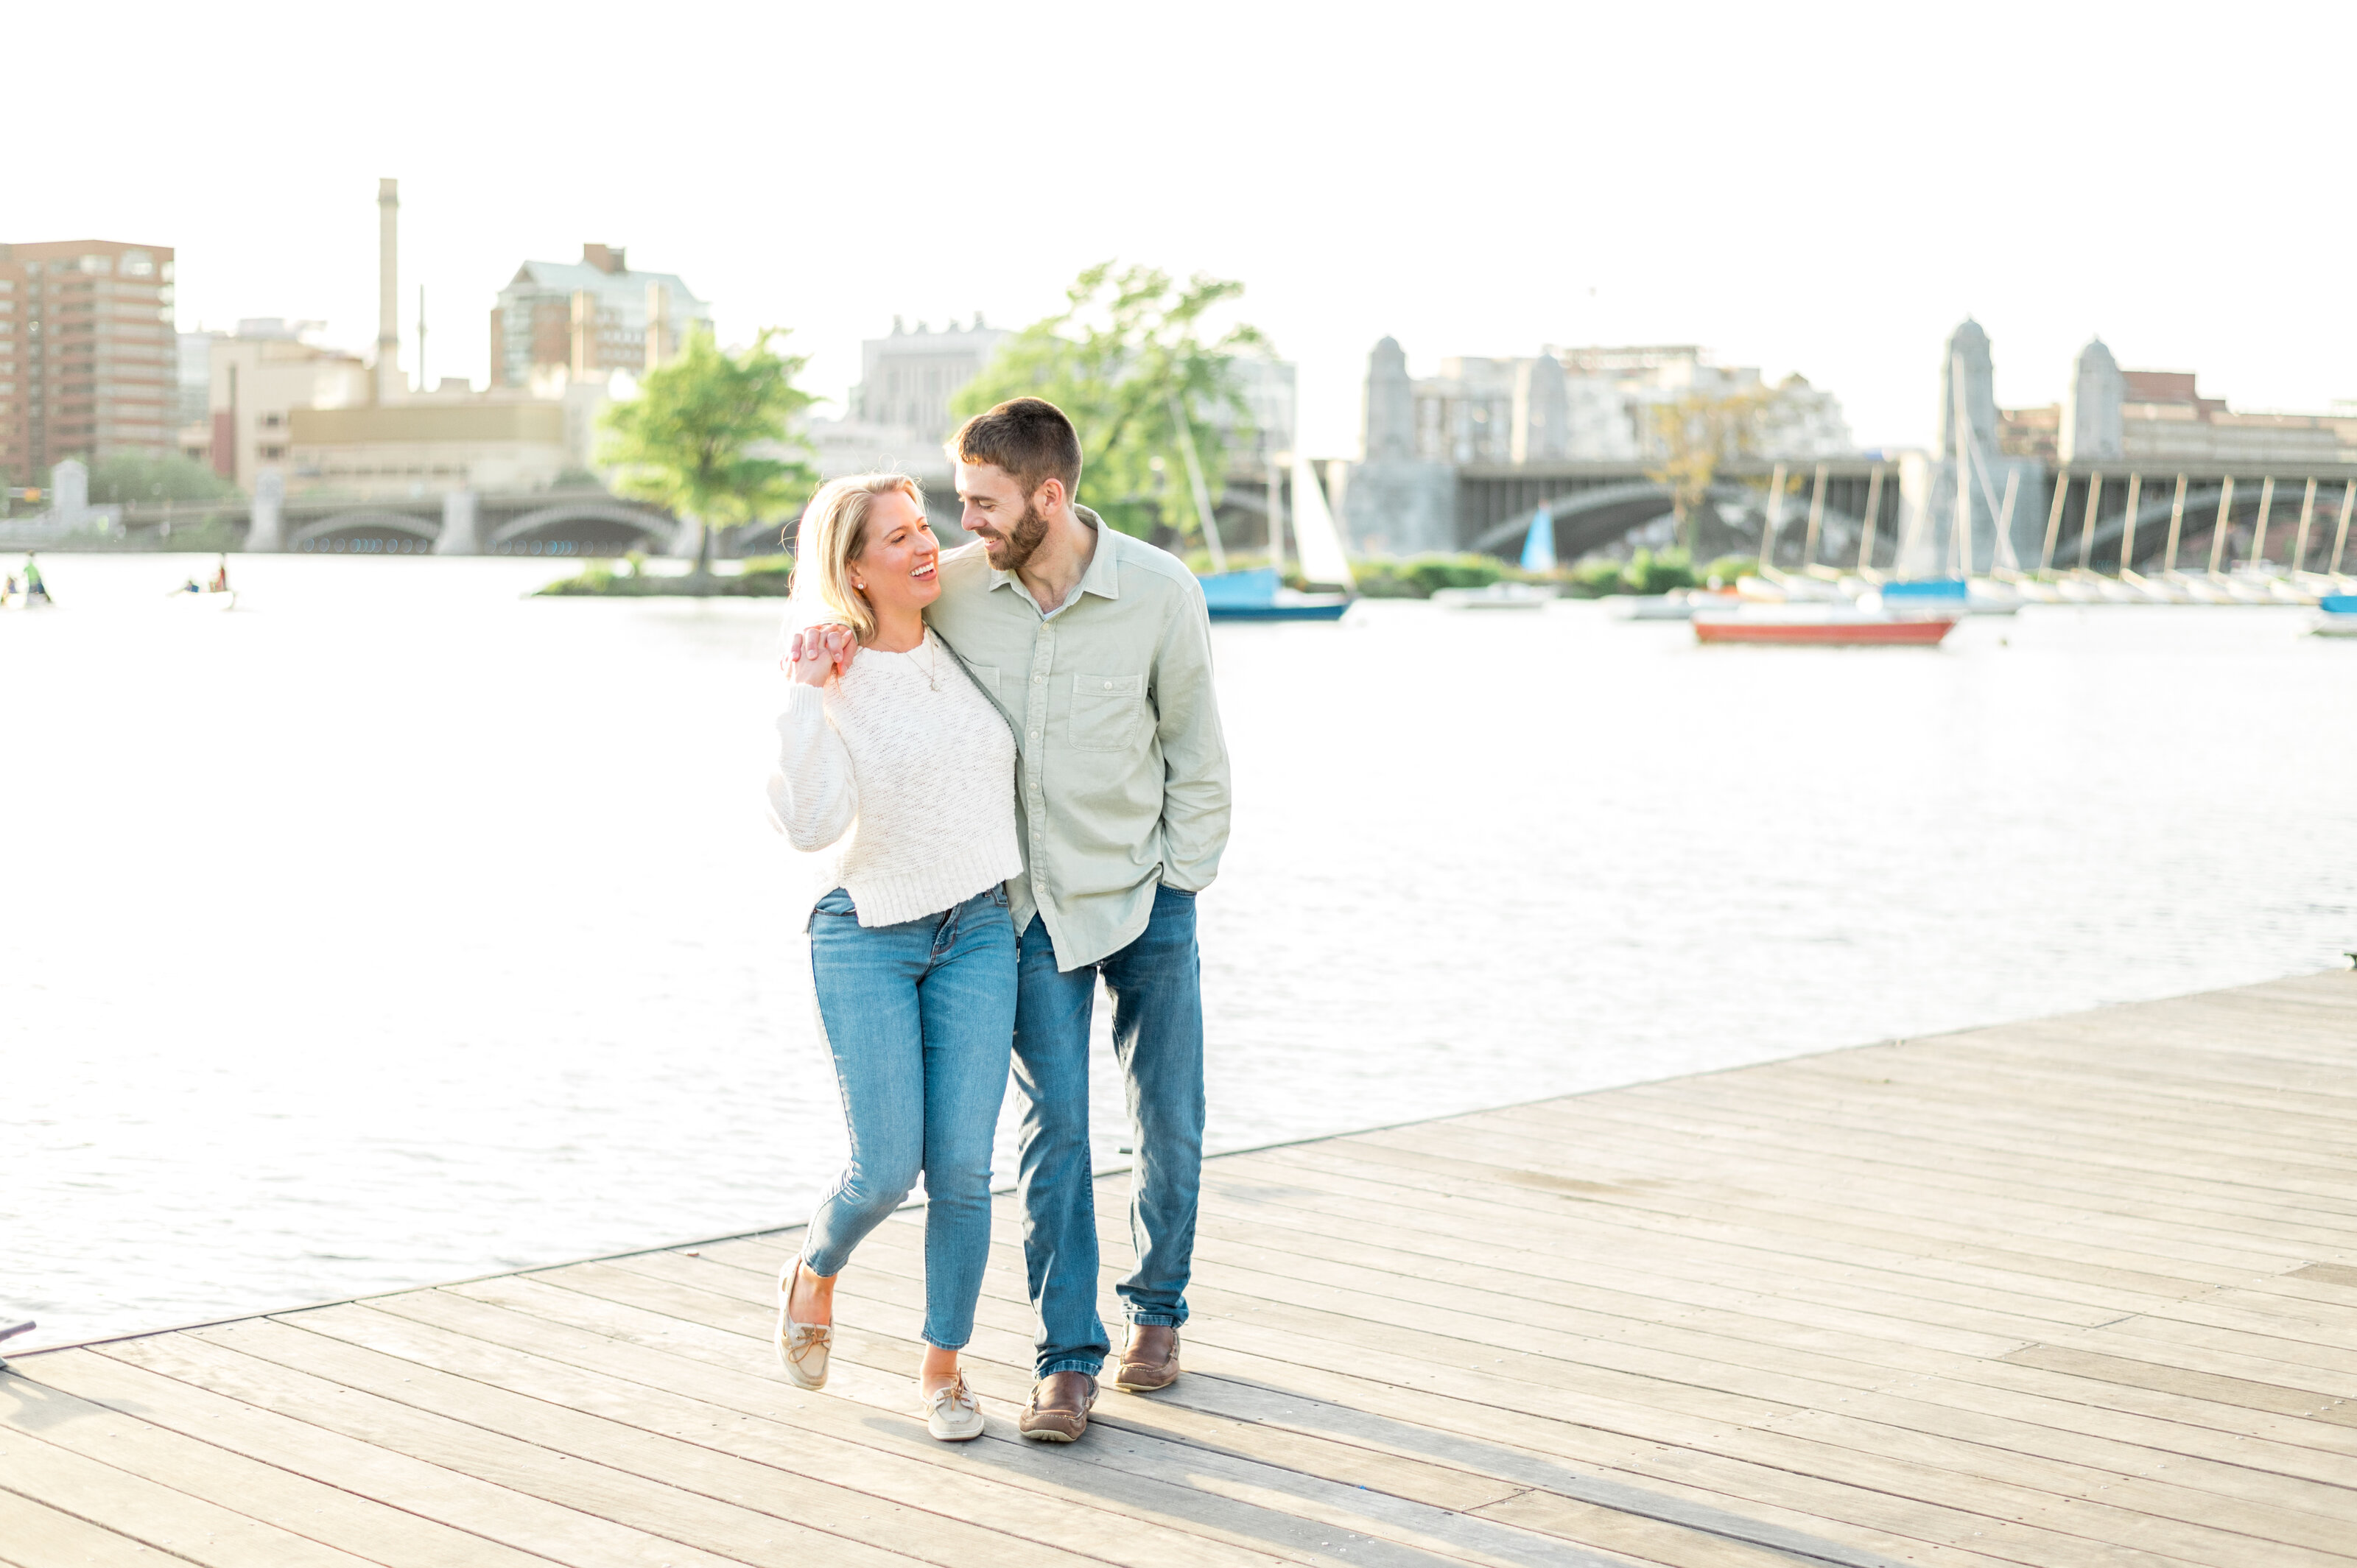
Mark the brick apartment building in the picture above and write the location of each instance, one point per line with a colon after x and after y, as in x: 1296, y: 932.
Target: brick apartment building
x: 588, y: 317
x: 88, y: 358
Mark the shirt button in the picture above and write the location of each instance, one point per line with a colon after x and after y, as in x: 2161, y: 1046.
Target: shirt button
x: 1108, y: 685
x: 1035, y: 734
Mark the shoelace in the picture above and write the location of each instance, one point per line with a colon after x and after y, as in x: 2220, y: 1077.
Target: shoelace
x: 801, y: 1338
x: 952, y: 1393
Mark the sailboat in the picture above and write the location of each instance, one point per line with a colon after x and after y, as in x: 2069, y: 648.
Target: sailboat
x: 1538, y: 555
x: 1261, y: 594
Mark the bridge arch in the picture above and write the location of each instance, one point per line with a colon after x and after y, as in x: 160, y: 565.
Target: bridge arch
x: 580, y: 528
x: 1585, y: 519
x: 375, y: 532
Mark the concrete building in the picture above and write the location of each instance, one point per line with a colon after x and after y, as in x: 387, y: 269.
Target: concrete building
x: 88, y: 358
x: 588, y: 318
x: 907, y: 379
x: 256, y: 379
x: 1594, y: 405
x: 2153, y: 418
x: 438, y: 443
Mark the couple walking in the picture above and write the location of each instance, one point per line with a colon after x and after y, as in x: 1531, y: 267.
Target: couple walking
x: 1011, y: 754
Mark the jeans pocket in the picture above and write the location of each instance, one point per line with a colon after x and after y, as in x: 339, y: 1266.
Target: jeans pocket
x: 836, y: 904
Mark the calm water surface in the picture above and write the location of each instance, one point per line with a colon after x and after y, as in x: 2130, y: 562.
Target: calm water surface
x: 395, y: 928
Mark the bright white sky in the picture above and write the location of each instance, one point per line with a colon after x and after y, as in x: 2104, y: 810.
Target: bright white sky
x: 1825, y: 189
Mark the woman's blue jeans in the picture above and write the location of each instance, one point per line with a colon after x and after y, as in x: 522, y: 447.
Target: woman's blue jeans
x: 920, y: 1017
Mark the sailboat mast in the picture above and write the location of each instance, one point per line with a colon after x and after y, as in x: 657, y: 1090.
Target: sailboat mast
x: 1962, y: 530
x: 1195, y: 483
x: 1276, y: 515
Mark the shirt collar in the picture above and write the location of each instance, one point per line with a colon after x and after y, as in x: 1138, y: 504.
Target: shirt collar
x: 1102, y: 577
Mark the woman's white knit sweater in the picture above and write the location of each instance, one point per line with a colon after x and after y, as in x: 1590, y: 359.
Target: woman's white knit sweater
x: 904, y: 770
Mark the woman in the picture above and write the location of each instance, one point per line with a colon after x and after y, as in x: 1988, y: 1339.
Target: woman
x: 899, y: 767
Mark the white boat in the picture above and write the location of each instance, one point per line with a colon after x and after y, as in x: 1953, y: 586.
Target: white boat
x: 1678, y: 604
x: 1497, y: 596
x: 209, y: 599
x: 1988, y: 596
x: 2336, y: 616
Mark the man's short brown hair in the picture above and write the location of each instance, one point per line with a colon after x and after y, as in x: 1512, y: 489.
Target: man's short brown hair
x: 1030, y: 438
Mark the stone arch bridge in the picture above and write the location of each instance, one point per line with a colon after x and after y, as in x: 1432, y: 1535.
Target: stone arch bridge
x: 583, y: 522
x: 1596, y: 505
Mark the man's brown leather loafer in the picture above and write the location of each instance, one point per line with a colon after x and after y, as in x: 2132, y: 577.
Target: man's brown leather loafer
x: 1059, y: 1410
x: 1151, y: 1361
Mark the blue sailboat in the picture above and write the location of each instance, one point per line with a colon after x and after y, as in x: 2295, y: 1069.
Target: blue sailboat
x: 1261, y: 594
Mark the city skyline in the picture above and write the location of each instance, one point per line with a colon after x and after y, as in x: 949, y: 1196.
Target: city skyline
x: 1858, y: 223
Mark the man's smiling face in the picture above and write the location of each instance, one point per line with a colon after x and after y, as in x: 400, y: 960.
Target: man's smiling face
x: 997, y: 512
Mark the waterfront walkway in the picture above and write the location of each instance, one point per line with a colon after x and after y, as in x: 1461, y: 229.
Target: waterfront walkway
x: 2077, y: 1292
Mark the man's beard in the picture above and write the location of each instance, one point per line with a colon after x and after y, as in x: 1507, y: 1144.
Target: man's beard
x: 1012, y: 552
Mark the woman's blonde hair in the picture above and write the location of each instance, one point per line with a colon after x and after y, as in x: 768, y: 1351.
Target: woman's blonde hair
x: 834, y: 530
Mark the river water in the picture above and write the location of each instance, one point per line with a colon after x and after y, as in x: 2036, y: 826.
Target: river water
x: 395, y: 928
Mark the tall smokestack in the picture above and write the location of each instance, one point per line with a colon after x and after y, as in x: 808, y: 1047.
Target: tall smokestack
x: 388, y: 385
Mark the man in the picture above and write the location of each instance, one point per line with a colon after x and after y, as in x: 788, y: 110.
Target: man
x: 1097, y: 647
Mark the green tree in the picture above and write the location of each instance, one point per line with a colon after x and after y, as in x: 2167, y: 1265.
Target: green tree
x: 129, y: 480
x: 1128, y: 360
x: 1692, y: 437
x: 694, y: 438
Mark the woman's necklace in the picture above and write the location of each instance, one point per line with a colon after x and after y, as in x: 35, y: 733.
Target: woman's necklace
x: 933, y: 659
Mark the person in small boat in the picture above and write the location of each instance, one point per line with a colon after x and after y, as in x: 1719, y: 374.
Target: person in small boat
x: 35, y: 588
x: 901, y: 771
x: 220, y: 585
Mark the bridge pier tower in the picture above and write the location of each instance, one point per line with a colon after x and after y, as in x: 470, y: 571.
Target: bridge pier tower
x: 458, y: 535
x: 268, y: 534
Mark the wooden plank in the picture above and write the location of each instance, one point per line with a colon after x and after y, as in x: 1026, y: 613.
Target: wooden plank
x: 2150, y: 1253
x: 1898, y: 1282
x: 1871, y: 1423
x: 1721, y: 1115
x: 1628, y: 1130
x: 1789, y: 1222
x: 1939, y: 1091
x: 2306, y: 1403
x: 359, y: 1496
x: 740, y: 1415
x: 613, y: 1488
x: 1965, y: 1381
x: 676, y: 1308
x: 1767, y: 1453
x: 151, y: 1514
x: 2088, y: 1146
x: 33, y: 1536
x: 997, y: 1364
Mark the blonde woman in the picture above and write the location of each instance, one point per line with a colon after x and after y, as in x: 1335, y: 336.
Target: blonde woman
x: 902, y: 771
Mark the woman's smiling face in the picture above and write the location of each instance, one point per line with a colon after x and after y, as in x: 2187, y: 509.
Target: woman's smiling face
x: 897, y: 566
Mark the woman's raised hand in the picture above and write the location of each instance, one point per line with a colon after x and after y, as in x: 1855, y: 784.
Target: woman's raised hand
x: 819, y: 653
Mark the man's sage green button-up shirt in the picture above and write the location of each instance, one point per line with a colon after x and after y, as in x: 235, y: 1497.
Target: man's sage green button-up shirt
x: 1121, y: 772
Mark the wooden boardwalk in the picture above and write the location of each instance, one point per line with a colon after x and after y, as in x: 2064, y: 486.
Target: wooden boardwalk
x: 2080, y: 1292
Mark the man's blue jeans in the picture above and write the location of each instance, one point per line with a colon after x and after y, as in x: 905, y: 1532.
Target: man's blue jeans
x: 1157, y: 1034
x: 919, y: 1016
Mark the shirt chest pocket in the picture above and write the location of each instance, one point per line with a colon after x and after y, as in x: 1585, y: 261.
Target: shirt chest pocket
x: 1108, y: 712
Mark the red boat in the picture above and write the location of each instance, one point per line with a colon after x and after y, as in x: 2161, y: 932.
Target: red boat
x: 1834, y: 630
